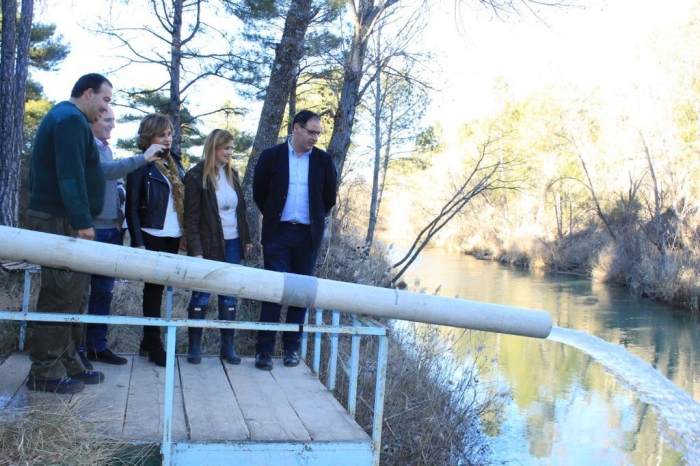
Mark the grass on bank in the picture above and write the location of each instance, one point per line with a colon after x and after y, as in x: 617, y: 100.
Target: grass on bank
x: 430, y: 417
x: 668, y: 272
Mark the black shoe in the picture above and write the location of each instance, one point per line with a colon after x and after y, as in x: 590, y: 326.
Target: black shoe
x: 156, y: 353
x: 89, y: 377
x: 194, y: 355
x: 194, y: 334
x: 290, y: 358
x: 66, y: 385
x: 263, y: 361
x: 86, y: 363
x: 106, y: 356
x: 143, y: 348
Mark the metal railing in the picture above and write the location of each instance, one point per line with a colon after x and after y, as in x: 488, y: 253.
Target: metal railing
x: 264, y: 285
x: 362, y: 326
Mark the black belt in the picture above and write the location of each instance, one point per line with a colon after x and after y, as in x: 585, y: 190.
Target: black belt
x: 296, y: 223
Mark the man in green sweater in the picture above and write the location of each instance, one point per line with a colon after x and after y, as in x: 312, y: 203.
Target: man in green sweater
x: 67, y: 187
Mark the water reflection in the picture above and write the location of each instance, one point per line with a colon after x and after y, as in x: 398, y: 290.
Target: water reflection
x: 566, y: 408
x: 679, y: 413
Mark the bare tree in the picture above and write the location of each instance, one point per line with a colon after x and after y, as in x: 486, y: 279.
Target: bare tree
x: 589, y: 184
x: 396, y: 101
x: 503, y: 9
x: 364, y: 15
x: 176, y: 38
x: 663, y: 227
x: 14, y: 68
x: 492, y: 170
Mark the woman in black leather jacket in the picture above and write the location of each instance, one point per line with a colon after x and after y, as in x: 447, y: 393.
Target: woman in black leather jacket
x: 155, y: 215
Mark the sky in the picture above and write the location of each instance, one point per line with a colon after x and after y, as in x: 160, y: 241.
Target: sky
x: 602, y: 45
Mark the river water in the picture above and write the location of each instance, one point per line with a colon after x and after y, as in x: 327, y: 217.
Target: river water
x: 616, y: 383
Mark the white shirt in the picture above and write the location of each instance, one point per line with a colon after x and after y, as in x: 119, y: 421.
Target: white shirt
x: 227, y: 201
x: 296, y: 207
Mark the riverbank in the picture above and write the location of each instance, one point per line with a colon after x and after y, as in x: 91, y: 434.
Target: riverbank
x: 419, y: 399
x: 670, y: 275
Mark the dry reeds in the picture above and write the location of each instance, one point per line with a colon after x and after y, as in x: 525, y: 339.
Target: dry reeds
x: 670, y: 275
x: 436, y: 410
x: 52, y: 431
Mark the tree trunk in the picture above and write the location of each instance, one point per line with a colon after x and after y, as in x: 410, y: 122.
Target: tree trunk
x: 289, y: 52
x: 559, y: 214
x: 385, y: 162
x: 175, y: 63
x: 373, y: 209
x: 292, y: 104
x: 9, y: 173
x: 13, y: 85
x: 365, y: 16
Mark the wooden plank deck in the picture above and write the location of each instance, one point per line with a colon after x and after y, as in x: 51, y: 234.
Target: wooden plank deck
x: 264, y: 413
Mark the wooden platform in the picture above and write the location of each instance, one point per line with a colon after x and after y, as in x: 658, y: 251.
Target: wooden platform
x: 15, y: 266
x: 283, y: 416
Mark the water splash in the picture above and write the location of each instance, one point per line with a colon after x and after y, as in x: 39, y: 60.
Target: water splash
x: 677, y: 409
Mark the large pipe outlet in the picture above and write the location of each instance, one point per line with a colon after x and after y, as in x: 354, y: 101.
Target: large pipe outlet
x: 235, y: 280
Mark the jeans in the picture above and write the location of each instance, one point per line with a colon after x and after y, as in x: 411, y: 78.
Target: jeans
x: 233, y: 256
x: 101, y: 289
x: 291, y: 250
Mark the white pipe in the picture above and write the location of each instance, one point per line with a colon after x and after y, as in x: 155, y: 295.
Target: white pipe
x: 235, y: 280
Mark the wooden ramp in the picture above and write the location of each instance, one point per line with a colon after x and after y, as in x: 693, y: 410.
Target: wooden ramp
x: 222, y: 414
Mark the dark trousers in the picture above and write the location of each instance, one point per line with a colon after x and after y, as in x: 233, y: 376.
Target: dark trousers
x: 291, y: 250
x: 101, y: 291
x: 152, y: 293
x: 54, y: 346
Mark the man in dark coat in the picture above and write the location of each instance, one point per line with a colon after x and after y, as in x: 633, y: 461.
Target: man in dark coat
x: 294, y: 186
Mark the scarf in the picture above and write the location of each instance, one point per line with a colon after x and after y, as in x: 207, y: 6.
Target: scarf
x: 168, y: 168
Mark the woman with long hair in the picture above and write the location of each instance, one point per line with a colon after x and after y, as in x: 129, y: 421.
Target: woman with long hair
x: 155, y: 212
x: 216, y: 229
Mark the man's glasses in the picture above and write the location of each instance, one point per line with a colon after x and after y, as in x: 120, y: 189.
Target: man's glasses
x: 312, y: 133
